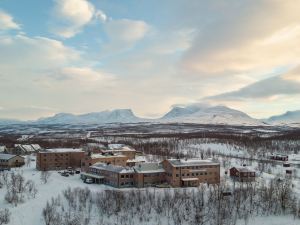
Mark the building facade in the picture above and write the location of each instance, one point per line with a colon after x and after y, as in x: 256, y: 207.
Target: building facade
x: 10, y: 161
x: 108, y: 158
x: 172, y: 172
x: 242, y: 174
x: 191, y: 172
x: 59, y: 159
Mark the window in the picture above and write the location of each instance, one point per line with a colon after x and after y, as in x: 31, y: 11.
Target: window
x: 177, y: 175
x: 122, y: 176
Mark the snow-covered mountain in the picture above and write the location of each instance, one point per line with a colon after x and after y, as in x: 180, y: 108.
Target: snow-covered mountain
x: 201, y: 114
x: 290, y: 117
x: 209, y: 115
x: 114, y: 116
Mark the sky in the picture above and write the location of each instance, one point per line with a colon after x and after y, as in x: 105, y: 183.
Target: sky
x: 80, y: 56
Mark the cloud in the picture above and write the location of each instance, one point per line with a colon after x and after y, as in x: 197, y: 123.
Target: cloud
x: 71, y: 16
x: 34, y: 53
x: 7, y: 22
x: 30, y: 112
x: 271, y: 88
x: 251, y: 37
x: 124, y: 33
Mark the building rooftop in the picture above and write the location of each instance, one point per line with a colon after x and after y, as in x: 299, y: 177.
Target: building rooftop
x: 191, y: 162
x: 149, y: 168
x: 2, y: 148
x: 99, y: 156
x: 244, y: 169
x: 6, y: 156
x: 137, y: 159
x: 112, y: 168
x: 118, y: 147
x: 61, y: 150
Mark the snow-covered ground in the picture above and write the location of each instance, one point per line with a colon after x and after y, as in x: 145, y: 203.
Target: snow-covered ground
x: 30, y: 212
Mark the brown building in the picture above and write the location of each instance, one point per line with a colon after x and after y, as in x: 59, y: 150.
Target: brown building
x: 122, y: 150
x: 59, y: 159
x: 113, y: 175
x: 149, y: 174
x: 191, y: 172
x: 242, y: 174
x: 107, y: 158
x: 176, y: 173
x: 9, y: 161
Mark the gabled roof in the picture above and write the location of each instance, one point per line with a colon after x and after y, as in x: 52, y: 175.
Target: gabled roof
x: 243, y: 169
x: 6, y: 156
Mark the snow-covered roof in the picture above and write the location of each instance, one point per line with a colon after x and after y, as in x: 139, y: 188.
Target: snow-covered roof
x: 99, y: 156
x: 118, y: 147
x: 112, y: 168
x: 29, y: 148
x: 244, y: 169
x: 61, y: 150
x: 191, y: 162
x: 137, y: 159
x: 6, y: 156
x: 2, y: 148
x: 152, y: 167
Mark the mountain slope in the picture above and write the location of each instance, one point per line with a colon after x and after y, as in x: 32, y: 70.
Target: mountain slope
x: 290, y: 117
x: 114, y: 116
x: 210, y: 115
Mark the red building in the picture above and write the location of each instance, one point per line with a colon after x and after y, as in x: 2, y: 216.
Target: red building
x: 242, y: 174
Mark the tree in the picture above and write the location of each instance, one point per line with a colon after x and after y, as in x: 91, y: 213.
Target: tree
x: 4, y: 216
x: 45, y: 176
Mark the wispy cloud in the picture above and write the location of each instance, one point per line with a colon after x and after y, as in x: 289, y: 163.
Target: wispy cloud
x: 7, y: 22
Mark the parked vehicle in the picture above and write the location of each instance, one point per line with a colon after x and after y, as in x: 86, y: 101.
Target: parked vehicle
x: 89, y: 181
x: 77, y: 171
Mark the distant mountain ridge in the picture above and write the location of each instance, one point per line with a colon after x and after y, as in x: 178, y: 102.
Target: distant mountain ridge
x: 290, y: 117
x: 198, y: 114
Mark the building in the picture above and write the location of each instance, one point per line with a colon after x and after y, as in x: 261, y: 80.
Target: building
x: 279, y: 157
x: 242, y: 174
x: 59, y: 159
x: 173, y: 172
x: 191, y: 172
x: 149, y: 174
x: 9, y: 161
x: 120, y: 149
x: 20, y: 149
x: 108, y: 158
x: 113, y: 175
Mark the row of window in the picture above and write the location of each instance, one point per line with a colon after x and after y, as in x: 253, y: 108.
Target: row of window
x: 127, y: 176
x: 197, y: 167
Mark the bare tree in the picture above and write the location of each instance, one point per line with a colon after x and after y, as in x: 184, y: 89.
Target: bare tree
x: 4, y: 216
x: 45, y: 175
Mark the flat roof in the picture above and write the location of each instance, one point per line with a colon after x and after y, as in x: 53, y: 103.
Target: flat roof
x: 99, y: 156
x: 92, y: 175
x: 61, y: 150
x: 153, y: 167
x: 191, y: 162
x: 112, y: 168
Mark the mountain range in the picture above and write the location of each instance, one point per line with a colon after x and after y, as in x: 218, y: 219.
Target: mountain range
x: 198, y: 114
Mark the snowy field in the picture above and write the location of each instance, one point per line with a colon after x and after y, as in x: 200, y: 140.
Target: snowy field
x: 30, y: 212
